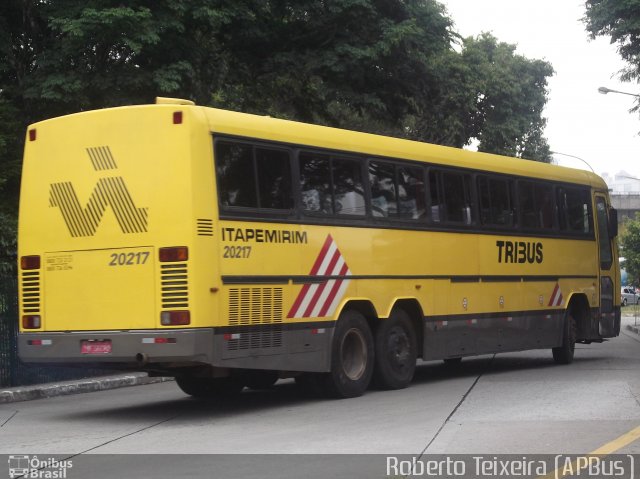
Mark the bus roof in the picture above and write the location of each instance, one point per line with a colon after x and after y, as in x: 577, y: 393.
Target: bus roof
x: 306, y: 134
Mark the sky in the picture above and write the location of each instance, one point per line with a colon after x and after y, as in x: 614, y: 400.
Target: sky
x: 580, y: 121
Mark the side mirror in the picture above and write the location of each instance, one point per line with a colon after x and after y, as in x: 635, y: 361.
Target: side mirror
x: 613, y: 222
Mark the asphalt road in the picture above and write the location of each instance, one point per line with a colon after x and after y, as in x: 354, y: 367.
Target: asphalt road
x: 518, y: 403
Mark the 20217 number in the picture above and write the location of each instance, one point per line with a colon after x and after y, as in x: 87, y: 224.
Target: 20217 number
x: 128, y: 259
x: 236, y: 252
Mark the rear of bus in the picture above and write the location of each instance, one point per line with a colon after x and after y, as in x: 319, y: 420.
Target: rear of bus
x: 116, y: 206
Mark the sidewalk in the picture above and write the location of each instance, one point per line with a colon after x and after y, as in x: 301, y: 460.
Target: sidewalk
x: 78, y: 386
x: 631, y: 323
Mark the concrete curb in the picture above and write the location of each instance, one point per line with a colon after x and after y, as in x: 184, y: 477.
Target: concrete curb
x: 101, y: 383
x: 633, y: 329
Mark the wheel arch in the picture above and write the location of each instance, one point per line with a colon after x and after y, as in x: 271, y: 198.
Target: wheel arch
x: 410, y: 305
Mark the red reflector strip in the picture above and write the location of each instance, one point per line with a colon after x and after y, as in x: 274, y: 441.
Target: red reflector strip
x: 229, y: 337
x: 40, y: 342
x: 159, y: 341
x: 318, y: 331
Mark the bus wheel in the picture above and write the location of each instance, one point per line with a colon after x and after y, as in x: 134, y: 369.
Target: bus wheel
x: 352, y: 357
x: 396, y: 352
x: 207, y: 388
x: 563, y: 354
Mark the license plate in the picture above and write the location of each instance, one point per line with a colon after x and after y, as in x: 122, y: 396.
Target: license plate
x: 96, y: 347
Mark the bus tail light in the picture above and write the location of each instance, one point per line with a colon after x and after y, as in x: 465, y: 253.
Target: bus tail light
x: 175, y: 318
x: 32, y: 134
x: 31, y: 321
x: 177, y: 117
x: 174, y: 253
x: 30, y: 262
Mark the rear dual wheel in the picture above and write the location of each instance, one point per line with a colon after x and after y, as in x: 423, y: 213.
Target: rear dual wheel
x: 396, y: 352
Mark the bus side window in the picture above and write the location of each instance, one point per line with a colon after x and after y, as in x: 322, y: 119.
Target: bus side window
x: 574, y: 211
x: 315, y: 183
x: 544, y: 204
x: 411, y: 193
x: 236, y: 181
x: 383, y: 189
x: 450, y: 193
x: 434, y: 196
x: 527, y: 206
x: 495, y: 201
x: 535, y: 205
x: 348, y: 190
x: 456, y: 188
x: 274, y: 179
x: 253, y: 177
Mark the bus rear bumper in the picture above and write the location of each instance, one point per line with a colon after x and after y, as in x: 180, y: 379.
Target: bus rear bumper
x: 118, y: 349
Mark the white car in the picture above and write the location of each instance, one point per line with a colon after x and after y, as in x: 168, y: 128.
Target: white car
x: 628, y: 295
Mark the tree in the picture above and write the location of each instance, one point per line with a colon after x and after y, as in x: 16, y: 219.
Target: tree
x: 511, y: 96
x: 630, y: 246
x: 383, y: 66
x: 620, y: 20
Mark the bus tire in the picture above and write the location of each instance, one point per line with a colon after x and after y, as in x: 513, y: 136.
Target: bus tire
x: 563, y: 354
x: 396, y: 352
x: 209, y: 388
x: 352, y: 357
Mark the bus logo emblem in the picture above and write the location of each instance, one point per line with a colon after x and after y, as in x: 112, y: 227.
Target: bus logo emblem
x: 113, y: 192
x: 322, y: 299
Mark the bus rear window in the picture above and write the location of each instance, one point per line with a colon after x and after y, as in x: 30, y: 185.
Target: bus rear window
x: 250, y: 176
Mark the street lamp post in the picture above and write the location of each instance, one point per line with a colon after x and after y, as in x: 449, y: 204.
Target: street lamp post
x: 573, y: 156
x: 604, y: 90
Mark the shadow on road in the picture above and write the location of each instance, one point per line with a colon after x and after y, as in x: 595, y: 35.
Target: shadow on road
x: 286, y: 394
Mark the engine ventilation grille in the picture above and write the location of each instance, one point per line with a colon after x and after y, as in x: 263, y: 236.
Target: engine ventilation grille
x: 175, y: 286
x: 205, y: 227
x: 261, y: 307
x: 31, y: 292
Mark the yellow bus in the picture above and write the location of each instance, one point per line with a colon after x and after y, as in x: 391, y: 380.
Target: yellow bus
x: 229, y: 250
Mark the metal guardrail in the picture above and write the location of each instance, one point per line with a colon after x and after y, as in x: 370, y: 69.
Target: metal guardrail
x: 12, y: 371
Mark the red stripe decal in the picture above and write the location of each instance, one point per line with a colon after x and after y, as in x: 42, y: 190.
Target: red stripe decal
x: 334, y: 291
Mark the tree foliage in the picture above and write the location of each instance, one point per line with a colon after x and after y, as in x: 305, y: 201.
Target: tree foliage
x: 619, y: 20
x: 630, y: 246
x: 393, y: 67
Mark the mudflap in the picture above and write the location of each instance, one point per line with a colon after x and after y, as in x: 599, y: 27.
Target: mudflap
x: 609, y: 325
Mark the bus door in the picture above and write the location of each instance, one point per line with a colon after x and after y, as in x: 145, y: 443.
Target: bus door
x: 609, y: 325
